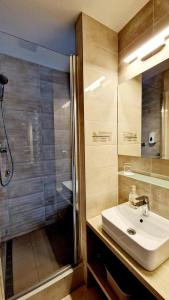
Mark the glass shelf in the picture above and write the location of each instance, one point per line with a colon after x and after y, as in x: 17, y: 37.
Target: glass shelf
x: 148, y: 179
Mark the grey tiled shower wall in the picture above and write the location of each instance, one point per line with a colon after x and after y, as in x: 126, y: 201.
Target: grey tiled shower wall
x: 38, y: 126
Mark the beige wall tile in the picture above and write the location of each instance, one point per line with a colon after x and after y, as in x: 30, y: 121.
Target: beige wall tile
x: 98, y: 109
x: 161, y: 23
x: 100, y: 57
x: 160, y: 201
x: 95, y: 204
x: 160, y: 166
x: 101, y: 103
x: 101, y: 189
x: 98, y: 51
x: 130, y: 149
x: 101, y: 133
x: 139, y: 24
x: 125, y: 184
x: 161, y: 8
x: 94, y: 31
x: 102, y: 156
x: 139, y: 164
x: 100, y: 179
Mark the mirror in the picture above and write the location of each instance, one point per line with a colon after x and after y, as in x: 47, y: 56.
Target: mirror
x: 143, y: 114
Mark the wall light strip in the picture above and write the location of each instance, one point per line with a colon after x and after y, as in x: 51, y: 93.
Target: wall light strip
x: 153, y: 44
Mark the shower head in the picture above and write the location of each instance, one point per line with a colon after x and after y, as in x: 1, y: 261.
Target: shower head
x: 3, y: 79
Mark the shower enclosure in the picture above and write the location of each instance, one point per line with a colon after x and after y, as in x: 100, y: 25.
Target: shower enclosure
x: 38, y: 208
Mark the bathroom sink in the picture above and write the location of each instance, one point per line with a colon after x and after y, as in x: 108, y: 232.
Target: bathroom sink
x: 146, y: 239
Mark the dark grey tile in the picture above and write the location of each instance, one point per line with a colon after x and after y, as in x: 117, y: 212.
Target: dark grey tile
x: 24, y: 78
x: 25, y: 187
x: 62, y: 137
x: 60, y: 178
x: 4, y: 218
x: 46, y: 106
x: 46, y: 90
x: 63, y: 166
x: 47, y: 121
x: 22, y: 102
x: 60, y: 77
x: 32, y: 217
x: 27, y: 170
x: 39, y: 133
x: 50, y: 193
x: 48, y: 167
x: 45, y: 74
x: 61, y: 91
x: 62, y: 121
x: 48, y: 137
x: 27, y: 153
x: 48, y: 152
x: 25, y: 203
x: 51, y: 211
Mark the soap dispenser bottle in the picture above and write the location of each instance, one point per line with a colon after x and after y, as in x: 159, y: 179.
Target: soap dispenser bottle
x: 132, y: 196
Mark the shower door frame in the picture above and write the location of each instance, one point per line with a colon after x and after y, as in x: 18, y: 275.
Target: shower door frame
x: 73, y: 96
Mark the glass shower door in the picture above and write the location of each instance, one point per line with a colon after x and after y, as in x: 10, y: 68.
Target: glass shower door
x: 38, y: 208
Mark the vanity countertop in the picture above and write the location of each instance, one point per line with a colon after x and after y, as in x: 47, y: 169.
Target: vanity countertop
x: 156, y: 281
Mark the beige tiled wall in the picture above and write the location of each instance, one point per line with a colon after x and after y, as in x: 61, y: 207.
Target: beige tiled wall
x: 149, y: 20
x: 159, y: 197
x: 153, y: 17
x: 100, y: 115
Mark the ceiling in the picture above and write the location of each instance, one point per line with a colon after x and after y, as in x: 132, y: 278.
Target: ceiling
x: 50, y: 23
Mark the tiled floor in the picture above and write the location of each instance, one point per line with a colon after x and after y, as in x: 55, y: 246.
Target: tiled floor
x: 33, y: 260
x: 39, y: 254
x: 85, y: 294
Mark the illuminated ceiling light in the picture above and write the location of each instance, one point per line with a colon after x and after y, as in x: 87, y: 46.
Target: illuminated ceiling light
x: 95, y: 84
x: 156, y: 43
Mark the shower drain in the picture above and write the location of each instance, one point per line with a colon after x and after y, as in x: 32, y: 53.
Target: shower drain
x: 131, y: 231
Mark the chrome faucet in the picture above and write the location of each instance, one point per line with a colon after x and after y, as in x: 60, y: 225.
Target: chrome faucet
x: 145, y: 203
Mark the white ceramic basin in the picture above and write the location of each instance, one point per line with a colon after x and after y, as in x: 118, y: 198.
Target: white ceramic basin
x: 149, y: 246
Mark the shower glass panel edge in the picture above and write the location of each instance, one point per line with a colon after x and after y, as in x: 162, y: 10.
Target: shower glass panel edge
x: 74, y: 156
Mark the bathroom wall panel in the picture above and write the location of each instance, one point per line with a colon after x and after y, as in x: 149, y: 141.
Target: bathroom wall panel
x: 138, y: 32
x: 98, y: 55
x: 161, y: 9
x: 39, y: 134
x: 144, y: 28
x: 136, y: 26
x: 139, y: 164
x: 159, y: 197
x: 25, y: 187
